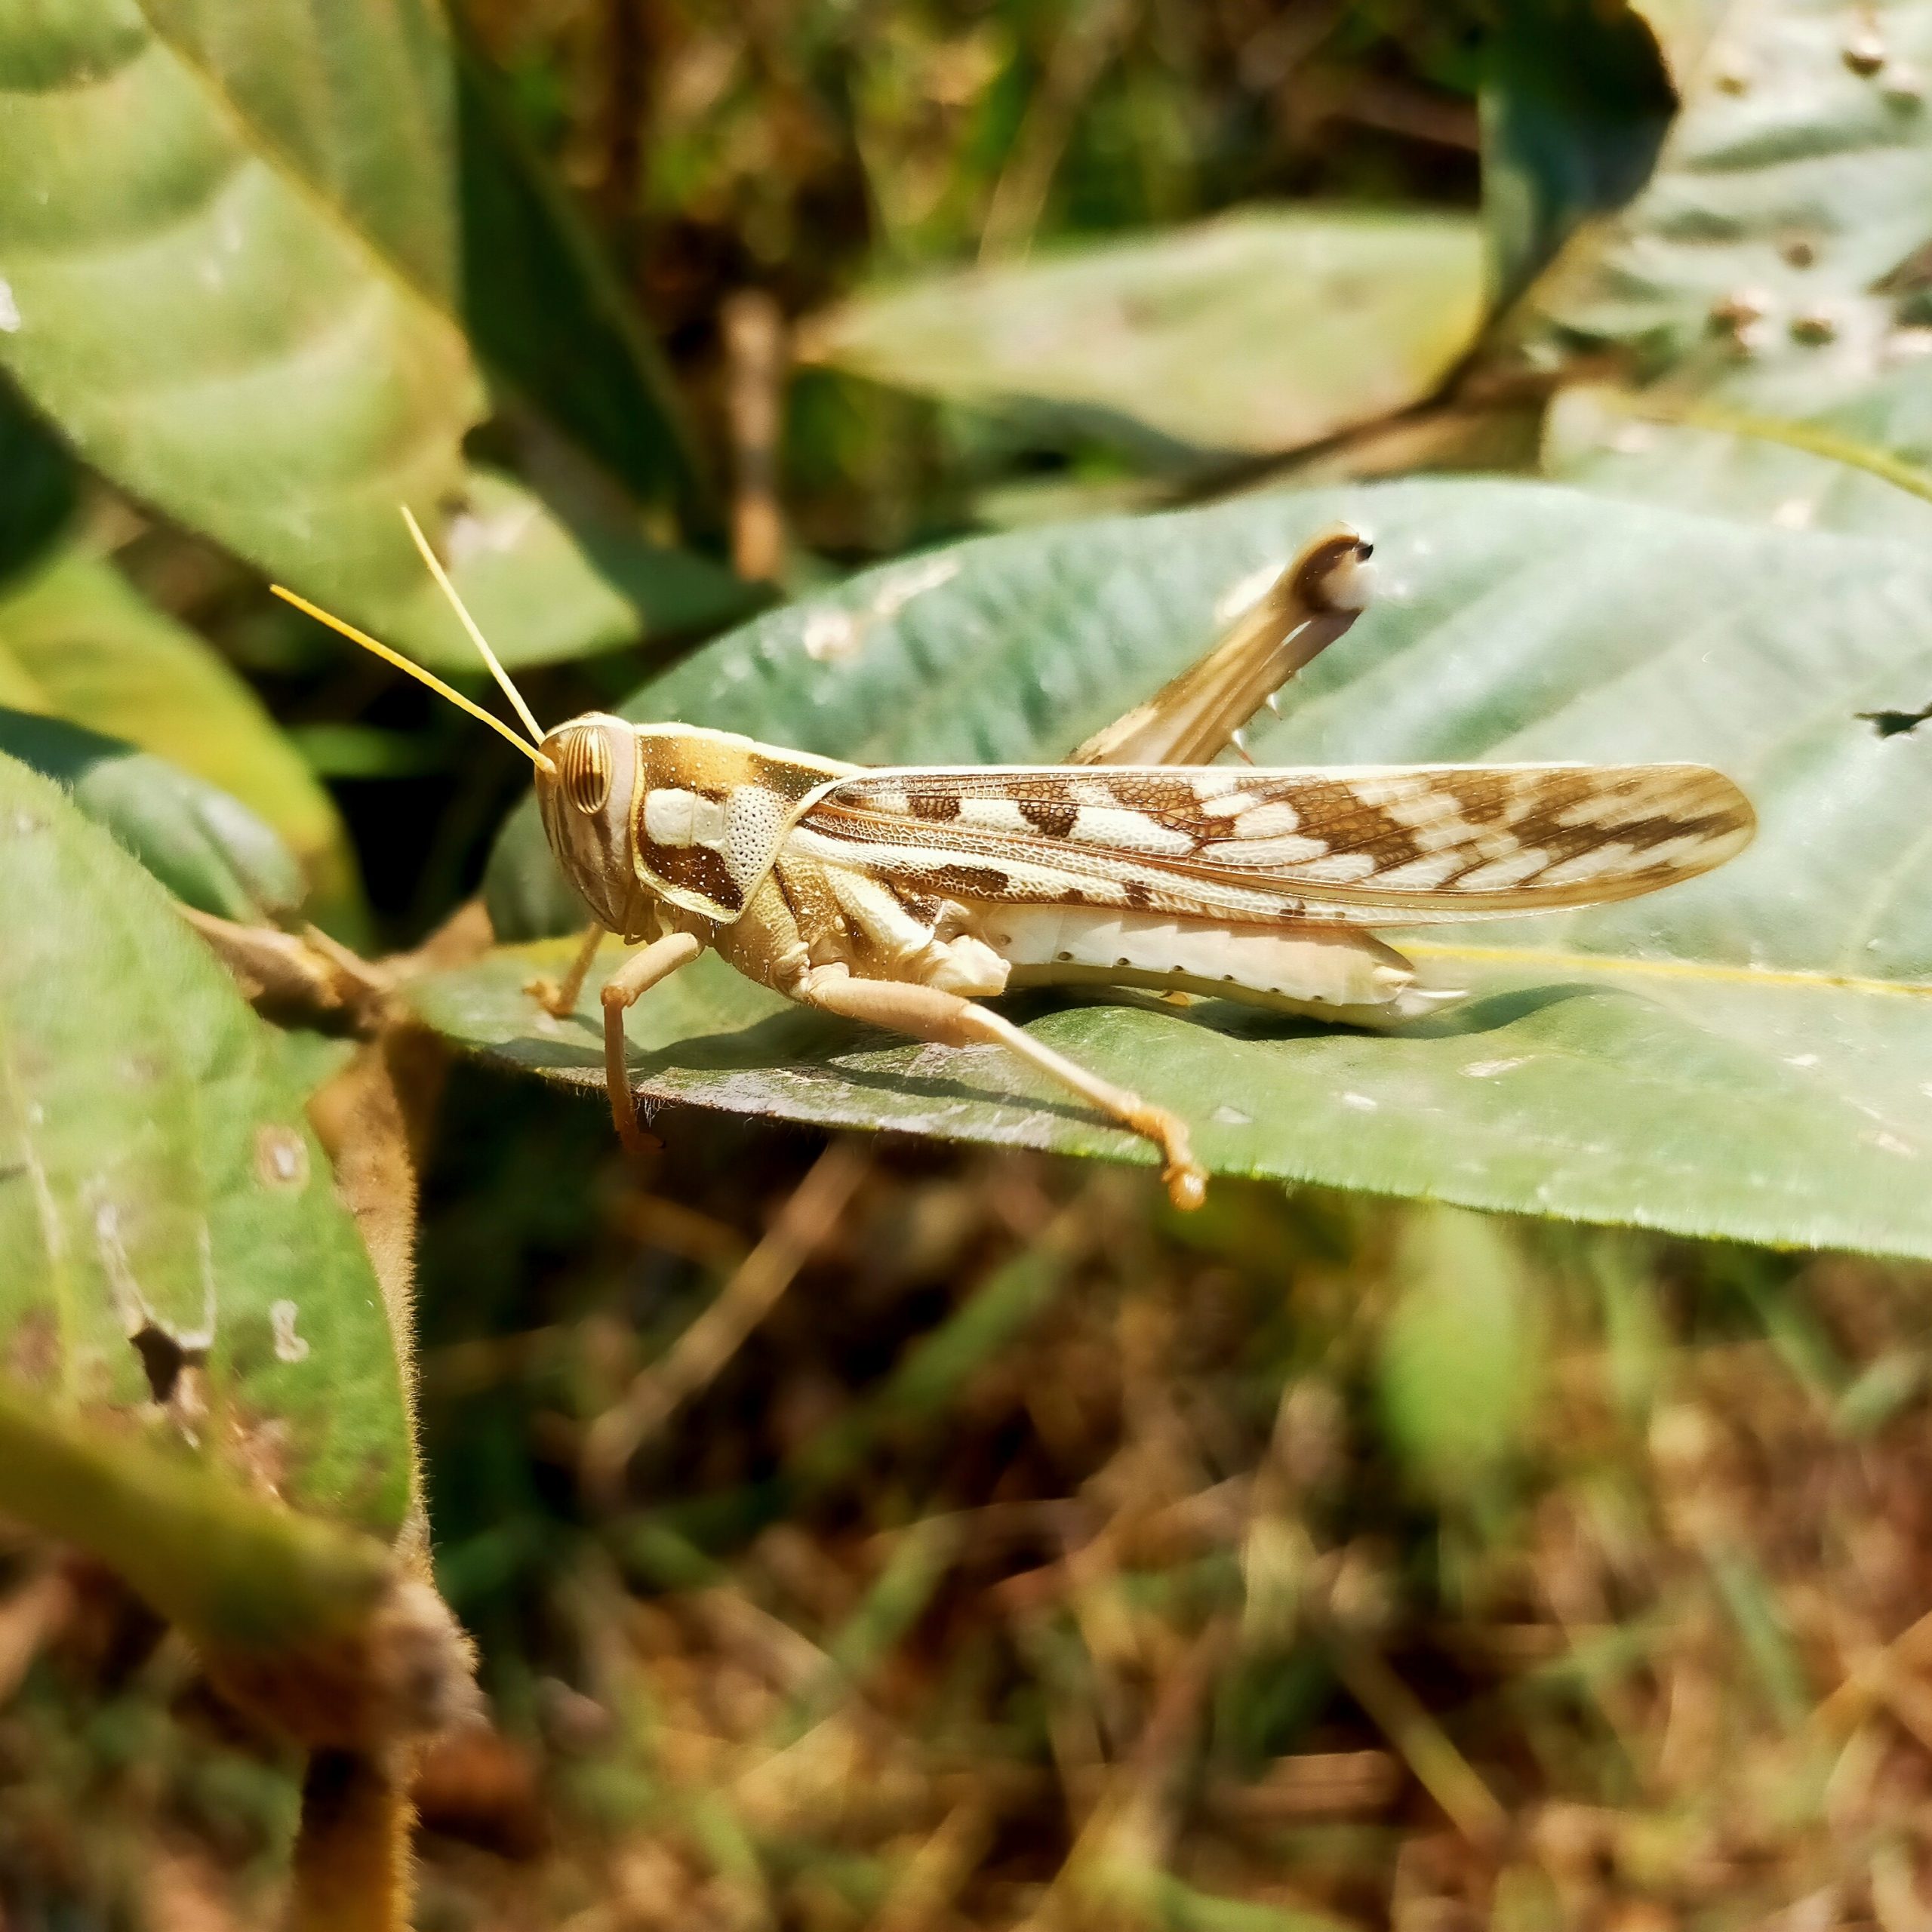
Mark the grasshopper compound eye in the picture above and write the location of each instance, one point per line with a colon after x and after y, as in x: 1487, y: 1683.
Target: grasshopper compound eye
x: 583, y: 769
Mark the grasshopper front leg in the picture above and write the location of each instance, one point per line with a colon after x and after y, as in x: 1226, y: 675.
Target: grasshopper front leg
x: 558, y: 998
x: 926, y: 1013
x: 622, y: 991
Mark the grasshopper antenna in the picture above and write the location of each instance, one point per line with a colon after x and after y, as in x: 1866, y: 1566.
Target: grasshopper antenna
x: 416, y: 671
x: 469, y: 624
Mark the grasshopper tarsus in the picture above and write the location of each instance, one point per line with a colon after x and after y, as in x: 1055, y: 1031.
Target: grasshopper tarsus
x: 549, y: 994
x: 1186, y: 1184
x: 1184, y: 1177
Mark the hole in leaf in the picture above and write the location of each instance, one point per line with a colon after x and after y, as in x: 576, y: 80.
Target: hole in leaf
x: 1894, y: 724
x: 164, y: 1359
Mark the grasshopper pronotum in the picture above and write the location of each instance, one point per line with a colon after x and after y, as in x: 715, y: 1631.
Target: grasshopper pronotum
x: 902, y: 895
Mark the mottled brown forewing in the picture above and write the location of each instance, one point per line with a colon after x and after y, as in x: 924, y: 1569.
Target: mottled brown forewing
x: 1364, y: 843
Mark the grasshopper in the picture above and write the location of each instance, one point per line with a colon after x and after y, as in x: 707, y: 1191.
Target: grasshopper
x: 901, y: 897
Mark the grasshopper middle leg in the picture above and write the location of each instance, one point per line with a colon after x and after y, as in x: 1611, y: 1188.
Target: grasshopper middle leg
x: 928, y: 1013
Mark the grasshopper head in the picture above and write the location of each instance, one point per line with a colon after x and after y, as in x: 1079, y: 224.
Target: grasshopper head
x: 586, y: 799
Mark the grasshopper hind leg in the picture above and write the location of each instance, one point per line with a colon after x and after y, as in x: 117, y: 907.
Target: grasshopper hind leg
x: 926, y: 1013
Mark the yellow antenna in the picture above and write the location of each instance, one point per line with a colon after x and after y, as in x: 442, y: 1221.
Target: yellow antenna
x: 476, y: 636
x: 416, y: 671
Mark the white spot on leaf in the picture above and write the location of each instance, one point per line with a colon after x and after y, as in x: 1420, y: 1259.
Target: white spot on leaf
x: 831, y: 635
x: 9, y: 309
x: 469, y: 535
x: 902, y: 586
x: 281, y: 1157
x: 289, y: 1346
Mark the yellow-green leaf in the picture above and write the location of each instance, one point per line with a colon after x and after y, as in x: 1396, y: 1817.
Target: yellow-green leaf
x: 208, y: 848
x: 93, y: 650
x: 1258, y: 332
x: 175, y: 1261
x: 248, y: 255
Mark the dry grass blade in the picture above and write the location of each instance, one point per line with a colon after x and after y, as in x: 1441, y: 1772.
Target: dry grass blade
x: 925, y: 1889
x: 301, y: 977
x: 711, y: 1341
x: 1440, y: 1768
x: 1130, y: 1836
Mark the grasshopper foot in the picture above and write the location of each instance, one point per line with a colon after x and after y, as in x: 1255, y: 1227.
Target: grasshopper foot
x: 638, y: 1139
x: 1185, y: 1178
x: 549, y: 995
x: 558, y: 998
x: 1187, y: 1184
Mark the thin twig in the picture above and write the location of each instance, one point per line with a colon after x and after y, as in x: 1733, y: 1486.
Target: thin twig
x: 1439, y: 1767
x: 755, y: 352
x: 710, y: 1342
x: 1092, y: 35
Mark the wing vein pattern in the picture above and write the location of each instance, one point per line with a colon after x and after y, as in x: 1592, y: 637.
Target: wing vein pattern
x: 1359, y: 845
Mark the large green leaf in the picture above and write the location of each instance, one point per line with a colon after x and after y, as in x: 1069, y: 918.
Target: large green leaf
x: 236, y: 271
x: 1259, y: 332
x: 208, y: 848
x: 1748, y: 1054
x: 1772, y: 268
x: 382, y: 114
x: 93, y: 650
x: 159, y: 1180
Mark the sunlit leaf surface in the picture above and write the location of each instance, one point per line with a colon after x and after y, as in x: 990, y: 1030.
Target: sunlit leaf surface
x: 90, y: 649
x: 1775, y: 267
x: 159, y: 1179
x: 1260, y: 331
x: 208, y: 848
x: 247, y: 258
x: 1748, y: 1054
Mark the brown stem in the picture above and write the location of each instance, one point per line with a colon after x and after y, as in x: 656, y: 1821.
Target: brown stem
x: 755, y: 357
x: 352, y: 1866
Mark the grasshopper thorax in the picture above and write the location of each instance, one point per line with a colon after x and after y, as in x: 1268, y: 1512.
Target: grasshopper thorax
x: 676, y: 813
